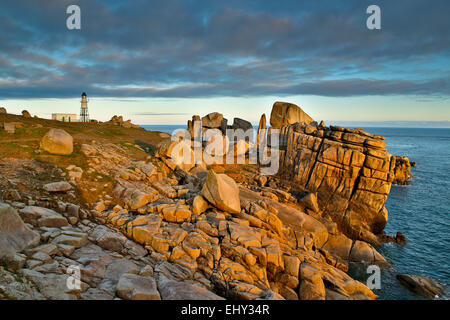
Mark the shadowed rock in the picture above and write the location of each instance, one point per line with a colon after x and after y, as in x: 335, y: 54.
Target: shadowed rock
x: 181, y: 290
x: 424, y: 286
x: 402, y: 170
x: 239, y: 123
x: 14, y: 234
x: 26, y: 114
x: 135, y: 287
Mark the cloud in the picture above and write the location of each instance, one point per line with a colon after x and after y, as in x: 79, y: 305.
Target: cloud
x: 223, y: 48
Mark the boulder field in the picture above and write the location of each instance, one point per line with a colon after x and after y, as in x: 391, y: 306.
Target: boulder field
x: 151, y: 227
x: 166, y: 234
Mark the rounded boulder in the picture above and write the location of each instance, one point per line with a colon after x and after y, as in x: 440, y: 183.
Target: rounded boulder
x: 57, y: 141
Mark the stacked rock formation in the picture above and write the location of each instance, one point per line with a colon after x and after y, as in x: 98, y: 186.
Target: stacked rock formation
x: 215, y: 120
x: 118, y: 121
x: 261, y: 130
x: 284, y: 114
x: 213, y: 127
x: 26, y: 114
x: 349, y: 169
x: 402, y: 170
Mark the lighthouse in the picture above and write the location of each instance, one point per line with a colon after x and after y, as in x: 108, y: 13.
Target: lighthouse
x: 84, y: 112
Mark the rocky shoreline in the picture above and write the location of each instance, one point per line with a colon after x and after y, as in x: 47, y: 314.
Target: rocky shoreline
x: 145, y: 225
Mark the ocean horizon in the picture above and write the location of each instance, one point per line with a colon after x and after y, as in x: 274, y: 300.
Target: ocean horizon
x: 169, y: 128
x: 347, y: 124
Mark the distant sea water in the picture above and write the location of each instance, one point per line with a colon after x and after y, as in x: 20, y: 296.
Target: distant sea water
x: 164, y: 128
x: 421, y: 210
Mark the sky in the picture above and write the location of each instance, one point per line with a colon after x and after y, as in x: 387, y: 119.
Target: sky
x: 160, y: 62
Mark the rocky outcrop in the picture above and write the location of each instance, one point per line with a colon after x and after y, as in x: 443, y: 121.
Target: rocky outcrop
x: 61, y: 186
x: 118, y: 121
x: 242, y: 124
x: 199, y: 205
x: 181, y: 290
x: 149, y: 230
x: 57, y: 141
x: 399, y: 238
x: 284, y: 114
x: 222, y: 192
x: 3, y: 110
x: 261, y: 130
x: 194, y: 127
x: 42, y: 217
x: 177, y: 154
x: 213, y: 134
x: 136, y: 287
x: 15, y: 236
x: 427, y: 287
x: 216, y: 144
x: 9, y: 127
x: 349, y: 169
x: 212, y: 120
x: 242, y: 147
x: 157, y: 233
x: 402, y: 170
x: 26, y: 114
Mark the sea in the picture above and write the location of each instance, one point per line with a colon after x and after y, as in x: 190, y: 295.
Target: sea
x: 420, y: 210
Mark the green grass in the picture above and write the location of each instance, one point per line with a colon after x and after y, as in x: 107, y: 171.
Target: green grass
x: 148, y: 148
x: 77, y: 158
x: 13, y: 149
x: 109, y: 132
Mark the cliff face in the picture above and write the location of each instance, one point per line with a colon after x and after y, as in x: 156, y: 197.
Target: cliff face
x: 349, y: 169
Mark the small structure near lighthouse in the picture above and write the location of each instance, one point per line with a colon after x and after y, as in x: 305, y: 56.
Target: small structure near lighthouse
x: 64, y: 117
x: 84, y: 112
